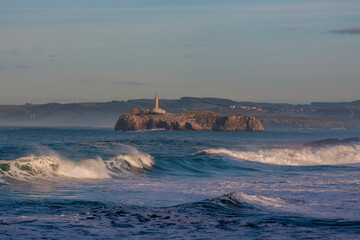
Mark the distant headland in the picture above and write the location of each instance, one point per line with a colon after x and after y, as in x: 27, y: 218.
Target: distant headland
x: 105, y: 114
x: 157, y: 118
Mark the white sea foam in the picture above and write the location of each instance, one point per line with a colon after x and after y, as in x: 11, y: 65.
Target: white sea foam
x: 279, y: 205
x: 332, y: 155
x: 134, y: 159
x: 151, y: 130
x: 261, y: 201
x: 320, y: 208
x: 51, y: 167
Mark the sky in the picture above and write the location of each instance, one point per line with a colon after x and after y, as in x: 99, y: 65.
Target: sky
x: 294, y: 51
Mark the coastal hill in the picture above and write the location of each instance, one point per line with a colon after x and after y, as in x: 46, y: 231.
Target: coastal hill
x: 105, y: 114
x: 144, y: 119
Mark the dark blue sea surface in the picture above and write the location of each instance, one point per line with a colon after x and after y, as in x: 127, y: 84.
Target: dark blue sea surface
x: 87, y: 183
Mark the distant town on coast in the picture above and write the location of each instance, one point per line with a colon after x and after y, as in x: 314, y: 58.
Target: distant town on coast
x: 105, y: 114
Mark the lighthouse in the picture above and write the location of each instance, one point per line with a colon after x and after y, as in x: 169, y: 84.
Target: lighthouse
x: 157, y: 109
x: 156, y: 101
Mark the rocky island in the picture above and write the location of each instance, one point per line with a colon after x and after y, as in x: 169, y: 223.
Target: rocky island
x: 146, y: 119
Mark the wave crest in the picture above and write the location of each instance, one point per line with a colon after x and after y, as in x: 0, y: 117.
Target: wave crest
x: 134, y: 159
x: 260, y: 201
x: 49, y: 166
x: 52, y: 167
x: 334, y: 155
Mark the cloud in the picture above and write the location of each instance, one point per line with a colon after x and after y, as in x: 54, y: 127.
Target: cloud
x: 83, y: 81
x: 52, y: 58
x: 346, y: 31
x: 22, y: 66
x: 130, y: 83
x: 97, y: 82
x: 89, y: 81
x: 291, y: 28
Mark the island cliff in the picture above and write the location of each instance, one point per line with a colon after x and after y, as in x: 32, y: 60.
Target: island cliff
x: 144, y: 119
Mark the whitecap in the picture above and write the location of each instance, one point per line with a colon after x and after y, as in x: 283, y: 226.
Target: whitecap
x: 332, y: 155
x: 47, y: 167
x: 53, y: 167
x: 260, y: 201
x: 134, y: 158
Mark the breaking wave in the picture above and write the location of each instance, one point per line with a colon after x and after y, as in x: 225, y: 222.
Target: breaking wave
x: 333, y: 155
x: 295, y: 207
x: 269, y: 203
x: 134, y: 159
x: 52, y: 166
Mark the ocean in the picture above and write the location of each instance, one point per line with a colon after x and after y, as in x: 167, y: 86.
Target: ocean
x: 93, y: 183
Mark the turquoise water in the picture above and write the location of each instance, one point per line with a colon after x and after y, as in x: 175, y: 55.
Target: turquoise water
x: 96, y: 183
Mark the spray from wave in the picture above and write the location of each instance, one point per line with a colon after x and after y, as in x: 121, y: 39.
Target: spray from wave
x: 134, y: 159
x: 322, y: 208
x: 261, y: 201
x: 333, y: 155
x: 281, y: 205
x: 52, y: 167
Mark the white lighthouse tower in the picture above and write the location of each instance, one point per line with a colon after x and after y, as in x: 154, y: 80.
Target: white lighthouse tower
x: 157, y: 109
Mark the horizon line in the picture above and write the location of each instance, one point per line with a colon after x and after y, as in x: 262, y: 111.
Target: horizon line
x: 133, y: 99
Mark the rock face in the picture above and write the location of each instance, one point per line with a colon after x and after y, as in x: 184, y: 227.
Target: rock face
x: 143, y: 119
